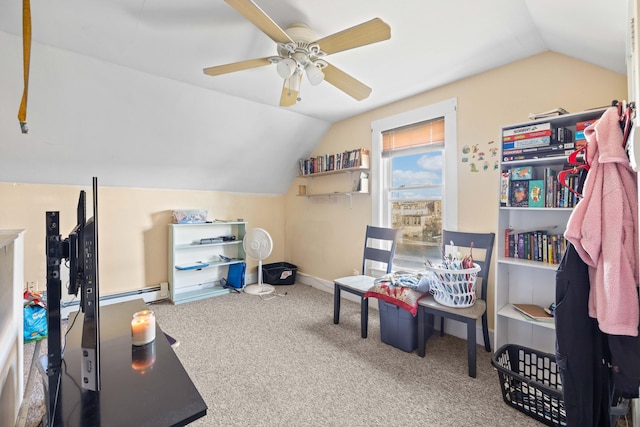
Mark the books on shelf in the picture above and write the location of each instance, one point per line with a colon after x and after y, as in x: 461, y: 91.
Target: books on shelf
x: 528, y: 187
x: 542, y: 245
x: 534, y: 312
x: 358, y: 158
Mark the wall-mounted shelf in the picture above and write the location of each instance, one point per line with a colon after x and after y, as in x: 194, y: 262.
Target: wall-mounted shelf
x: 334, y: 172
x: 361, y: 186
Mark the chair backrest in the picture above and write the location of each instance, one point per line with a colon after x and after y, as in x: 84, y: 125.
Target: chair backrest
x: 480, y: 241
x: 374, y: 251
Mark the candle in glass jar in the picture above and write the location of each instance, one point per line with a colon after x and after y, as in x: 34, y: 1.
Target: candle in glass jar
x: 143, y: 327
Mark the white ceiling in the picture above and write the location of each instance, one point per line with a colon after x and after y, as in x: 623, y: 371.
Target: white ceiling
x: 433, y: 42
x: 91, y: 94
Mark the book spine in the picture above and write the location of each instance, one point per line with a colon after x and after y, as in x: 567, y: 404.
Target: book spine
x: 531, y: 142
x: 507, y: 239
x: 504, y: 187
x: 539, y: 149
x: 527, y: 135
x: 526, y: 129
x: 535, y: 155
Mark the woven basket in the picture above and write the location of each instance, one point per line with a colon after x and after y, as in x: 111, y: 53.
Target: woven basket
x: 454, y: 288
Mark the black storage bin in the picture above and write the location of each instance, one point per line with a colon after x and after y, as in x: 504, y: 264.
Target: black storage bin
x: 398, y: 327
x: 279, y: 273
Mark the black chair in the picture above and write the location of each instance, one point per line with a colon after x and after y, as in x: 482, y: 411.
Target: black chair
x: 358, y: 285
x: 428, y: 307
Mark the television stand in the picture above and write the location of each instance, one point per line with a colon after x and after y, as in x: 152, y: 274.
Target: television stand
x: 128, y: 395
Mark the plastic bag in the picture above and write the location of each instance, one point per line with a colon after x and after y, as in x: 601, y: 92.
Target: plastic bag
x: 35, y: 322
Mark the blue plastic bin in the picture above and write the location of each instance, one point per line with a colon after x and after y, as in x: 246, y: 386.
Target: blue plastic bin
x: 398, y: 327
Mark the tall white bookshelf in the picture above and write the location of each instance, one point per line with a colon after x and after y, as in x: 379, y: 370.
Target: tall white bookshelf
x: 528, y: 281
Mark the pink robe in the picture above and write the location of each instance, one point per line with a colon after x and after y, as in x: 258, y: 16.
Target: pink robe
x: 603, y: 228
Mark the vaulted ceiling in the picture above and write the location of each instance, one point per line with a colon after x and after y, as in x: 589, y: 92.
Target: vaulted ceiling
x: 432, y: 42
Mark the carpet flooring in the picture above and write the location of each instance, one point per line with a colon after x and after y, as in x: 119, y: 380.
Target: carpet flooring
x: 282, y: 362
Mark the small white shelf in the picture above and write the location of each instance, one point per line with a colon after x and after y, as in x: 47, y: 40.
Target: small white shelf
x: 200, y: 294
x: 512, y: 313
x: 203, y: 281
x: 527, y: 263
x: 203, y: 245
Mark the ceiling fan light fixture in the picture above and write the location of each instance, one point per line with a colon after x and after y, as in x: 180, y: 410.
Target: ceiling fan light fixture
x: 286, y: 68
x: 314, y: 74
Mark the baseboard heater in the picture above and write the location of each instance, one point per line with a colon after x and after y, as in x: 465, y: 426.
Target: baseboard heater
x: 148, y: 294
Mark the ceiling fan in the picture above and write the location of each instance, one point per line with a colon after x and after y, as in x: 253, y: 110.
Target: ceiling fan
x: 299, y: 52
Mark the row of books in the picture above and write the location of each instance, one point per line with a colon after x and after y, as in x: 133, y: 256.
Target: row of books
x: 537, y: 245
x: 329, y: 162
x: 518, y: 188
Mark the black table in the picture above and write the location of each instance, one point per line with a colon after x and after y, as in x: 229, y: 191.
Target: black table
x: 137, y: 390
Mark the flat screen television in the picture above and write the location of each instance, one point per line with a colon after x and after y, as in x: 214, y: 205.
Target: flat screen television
x: 80, y: 250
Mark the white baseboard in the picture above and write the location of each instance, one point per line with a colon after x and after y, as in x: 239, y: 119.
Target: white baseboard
x: 149, y: 294
x: 457, y: 329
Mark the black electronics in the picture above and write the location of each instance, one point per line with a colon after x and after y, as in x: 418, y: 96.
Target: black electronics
x: 80, y: 249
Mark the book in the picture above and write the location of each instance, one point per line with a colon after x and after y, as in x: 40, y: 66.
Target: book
x: 526, y: 129
x: 534, y: 312
x: 585, y: 124
x: 520, y: 193
x: 550, y: 187
x: 521, y: 172
x: 550, y: 113
x: 537, y: 155
x: 504, y: 187
x: 528, y: 135
x: 536, y: 193
x: 529, y: 142
x: 539, y: 149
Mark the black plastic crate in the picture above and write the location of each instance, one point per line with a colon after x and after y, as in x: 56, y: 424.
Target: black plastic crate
x: 530, y: 382
x: 279, y: 273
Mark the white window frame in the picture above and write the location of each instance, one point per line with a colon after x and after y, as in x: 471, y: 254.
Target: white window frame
x: 381, y: 214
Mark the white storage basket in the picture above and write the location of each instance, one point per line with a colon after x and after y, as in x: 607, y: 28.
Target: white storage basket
x: 454, y: 288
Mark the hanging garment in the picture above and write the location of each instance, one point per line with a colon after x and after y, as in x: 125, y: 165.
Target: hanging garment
x: 581, y: 348
x: 603, y: 228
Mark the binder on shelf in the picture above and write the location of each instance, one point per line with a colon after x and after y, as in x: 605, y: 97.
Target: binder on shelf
x: 533, y: 312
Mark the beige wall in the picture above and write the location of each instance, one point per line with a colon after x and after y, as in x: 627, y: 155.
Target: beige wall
x: 132, y: 224
x: 325, y: 236
x: 322, y: 236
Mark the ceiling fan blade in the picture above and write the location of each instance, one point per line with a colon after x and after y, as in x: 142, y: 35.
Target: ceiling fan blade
x: 253, y: 13
x: 346, y: 83
x: 236, y: 66
x: 290, y: 91
x: 366, y: 33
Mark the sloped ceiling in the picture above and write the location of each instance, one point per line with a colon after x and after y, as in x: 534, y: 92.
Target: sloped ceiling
x: 432, y: 43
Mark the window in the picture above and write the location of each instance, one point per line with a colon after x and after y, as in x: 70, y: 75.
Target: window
x: 414, y: 179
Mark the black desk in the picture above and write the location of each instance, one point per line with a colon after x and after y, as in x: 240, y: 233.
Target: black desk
x: 161, y: 394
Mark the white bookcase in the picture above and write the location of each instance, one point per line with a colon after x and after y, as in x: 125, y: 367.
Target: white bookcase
x: 186, y: 251
x: 528, y: 281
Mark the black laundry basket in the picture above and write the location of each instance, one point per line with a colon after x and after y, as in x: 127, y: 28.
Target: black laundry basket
x: 530, y: 382
x: 279, y: 273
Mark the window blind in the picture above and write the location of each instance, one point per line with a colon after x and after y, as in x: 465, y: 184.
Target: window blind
x: 430, y: 132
